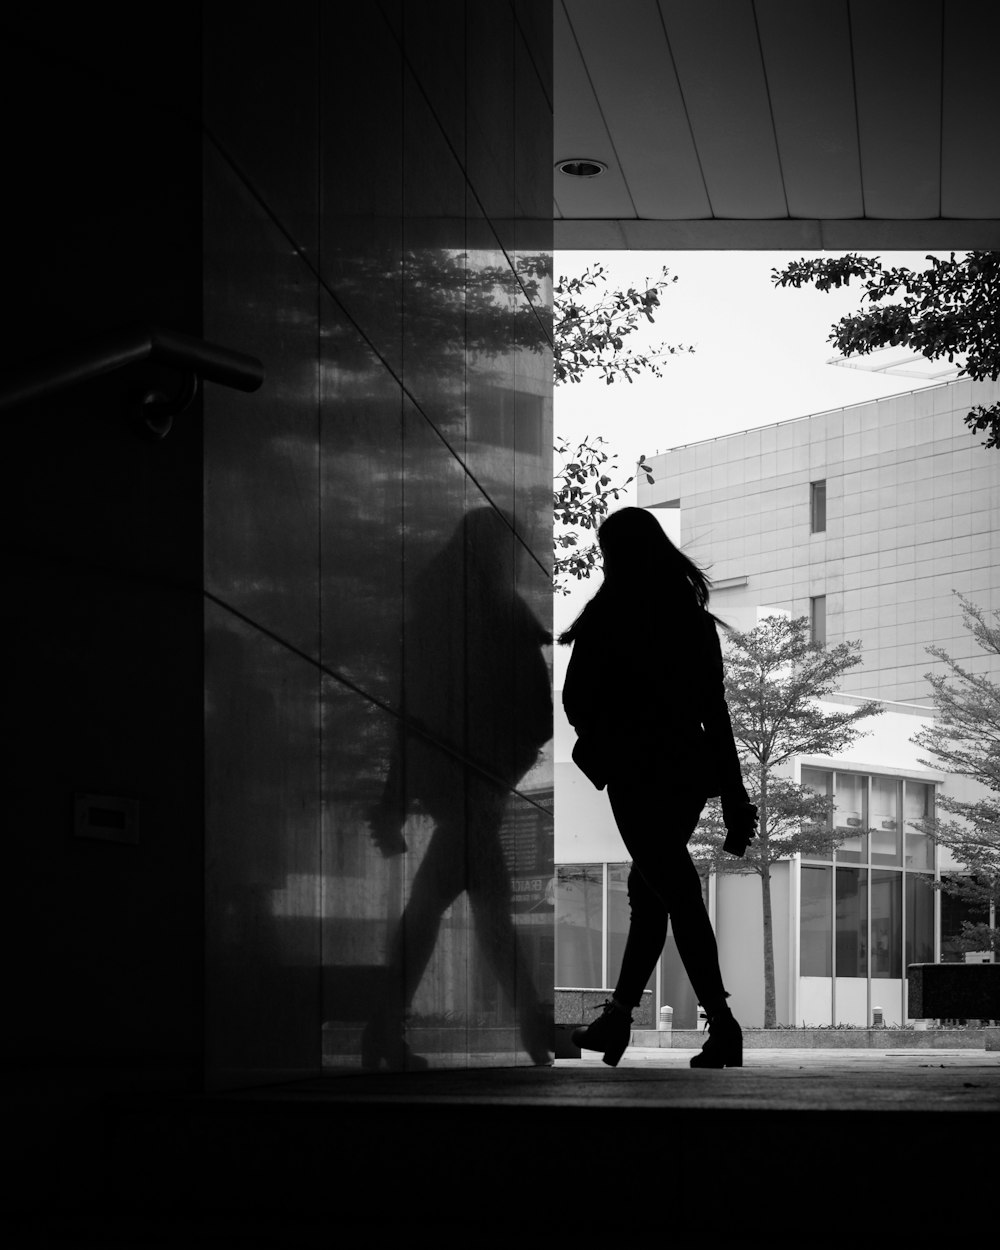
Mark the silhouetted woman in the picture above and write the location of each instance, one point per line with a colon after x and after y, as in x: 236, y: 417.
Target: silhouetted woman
x: 477, y: 677
x: 644, y: 692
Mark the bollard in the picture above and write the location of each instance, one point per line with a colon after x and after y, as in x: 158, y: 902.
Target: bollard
x: 666, y: 1018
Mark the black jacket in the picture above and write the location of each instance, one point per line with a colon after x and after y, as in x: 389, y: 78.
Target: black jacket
x: 646, y: 692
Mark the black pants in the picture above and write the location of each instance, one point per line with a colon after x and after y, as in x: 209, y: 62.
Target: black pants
x: 663, y: 885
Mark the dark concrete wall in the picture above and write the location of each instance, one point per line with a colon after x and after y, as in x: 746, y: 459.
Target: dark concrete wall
x: 303, y: 606
x: 102, y: 211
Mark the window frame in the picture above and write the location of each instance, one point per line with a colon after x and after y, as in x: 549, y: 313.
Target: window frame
x: 817, y: 615
x: 817, y: 506
x: 874, y: 871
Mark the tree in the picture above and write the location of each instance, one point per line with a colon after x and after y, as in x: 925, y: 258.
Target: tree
x: 950, y: 310
x: 774, y: 677
x: 465, y: 312
x: 589, y: 336
x: 964, y: 740
x: 581, y: 497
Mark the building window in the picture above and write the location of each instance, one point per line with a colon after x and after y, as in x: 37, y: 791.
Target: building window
x: 875, y: 914
x: 580, y: 925
x: 619, y: 917
x: 852, y: 923
x: 817, y: 619
x: 821, y: 784
x: 918, y: 806
x: 815, y: 926
x: 887, y: 923
x: 592, y: 923
x: 885, y: 831
x: 850, y: 817
x: 958, y: 908
x: 817, y: 506
x: 919, y: 944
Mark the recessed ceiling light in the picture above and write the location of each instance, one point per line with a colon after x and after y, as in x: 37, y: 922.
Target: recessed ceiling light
x: 581, y: 167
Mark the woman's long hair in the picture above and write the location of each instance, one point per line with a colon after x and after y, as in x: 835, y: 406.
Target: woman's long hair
x: 643, y: 571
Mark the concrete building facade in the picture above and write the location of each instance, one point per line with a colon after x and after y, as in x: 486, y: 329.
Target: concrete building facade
x: 867, y: 517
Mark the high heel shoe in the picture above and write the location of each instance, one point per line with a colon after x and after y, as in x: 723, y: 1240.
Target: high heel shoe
x: 537, y: 1035
x: 383, y: 1042
x: 610, y: 1032
x: 724, y: 1048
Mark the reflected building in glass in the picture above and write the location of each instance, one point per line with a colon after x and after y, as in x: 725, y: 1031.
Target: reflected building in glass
x: 866, y: 520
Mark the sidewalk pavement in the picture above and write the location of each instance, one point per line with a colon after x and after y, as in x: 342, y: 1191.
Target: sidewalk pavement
x: 839, y: 1059
x: 965, y: 1083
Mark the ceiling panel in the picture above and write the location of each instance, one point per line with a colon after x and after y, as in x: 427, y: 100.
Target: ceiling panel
x: 806, y: 50
x: 626, y: 53
x: 970, y: 170
x: 856, y: 124
x: 717, y: 54
x: 579, y: 130
x: 897, y: 65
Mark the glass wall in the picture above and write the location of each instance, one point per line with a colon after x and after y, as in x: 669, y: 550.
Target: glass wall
x: 918, y: 945
x: 918, y: 806
x: 867, y: 907
x: 885, y: 821
x: 957, y: 908
x: 580, y: 926
x: 815, y: 901
x: 618, y: 918
x: 887, y: 924
x: 618, y: 921
x: 850, y: 817
x: 852, y: 922
x: 592, y: 920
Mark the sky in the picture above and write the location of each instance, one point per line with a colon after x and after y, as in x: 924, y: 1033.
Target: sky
x: 760, y: 356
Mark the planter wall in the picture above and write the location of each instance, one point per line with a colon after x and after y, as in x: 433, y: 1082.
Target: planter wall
x: 832, y: 1039
x: 575, y: 1007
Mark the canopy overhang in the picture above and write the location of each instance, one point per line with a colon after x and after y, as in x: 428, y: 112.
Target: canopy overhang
x: 756, y: 124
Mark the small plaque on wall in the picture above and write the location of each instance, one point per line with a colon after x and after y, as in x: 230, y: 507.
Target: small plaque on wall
x: 109, y: 818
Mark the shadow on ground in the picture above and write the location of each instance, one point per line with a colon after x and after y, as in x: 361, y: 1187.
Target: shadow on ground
x: 521, y: 1156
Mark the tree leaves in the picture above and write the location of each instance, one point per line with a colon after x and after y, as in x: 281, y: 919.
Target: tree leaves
x: 467, y: 312
x: 775, y: 677
x: 949, y: 310
x: 590, y: 338
x: 964, y: 739
x: 590, y: 335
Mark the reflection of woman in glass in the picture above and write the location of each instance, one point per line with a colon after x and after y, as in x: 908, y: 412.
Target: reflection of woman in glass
x: 477, y: 691
x: 644, y: 692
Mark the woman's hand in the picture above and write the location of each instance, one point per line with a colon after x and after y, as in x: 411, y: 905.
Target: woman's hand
x: 740, y: 819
